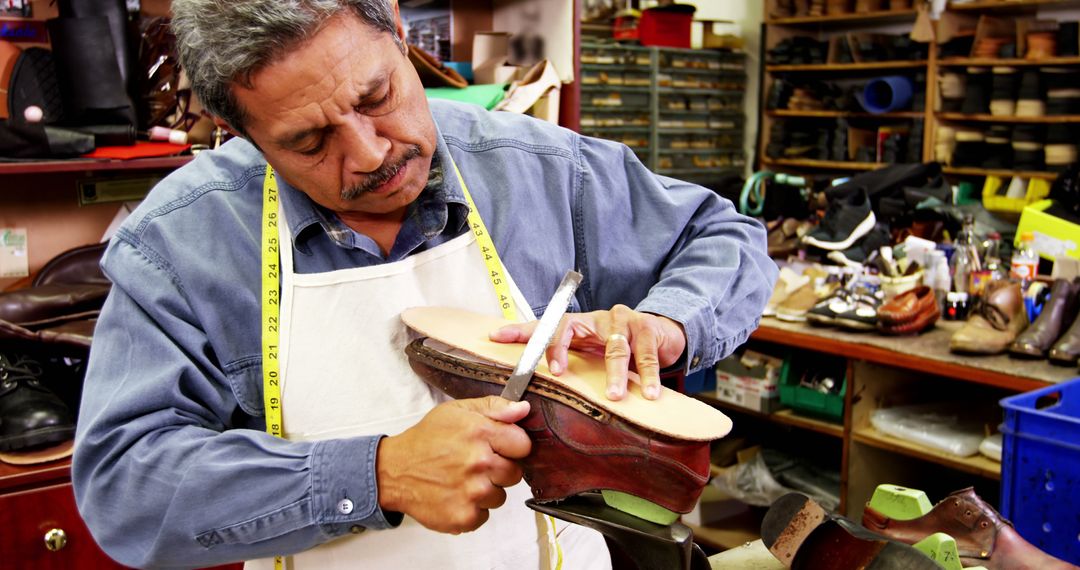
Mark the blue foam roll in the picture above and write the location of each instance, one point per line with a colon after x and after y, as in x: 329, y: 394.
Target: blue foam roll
x: 887, y: 94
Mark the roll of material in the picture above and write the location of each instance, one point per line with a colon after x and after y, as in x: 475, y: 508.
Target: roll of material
x: 887, y: 94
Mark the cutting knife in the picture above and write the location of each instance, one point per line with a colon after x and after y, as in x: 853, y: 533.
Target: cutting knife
x: 545, y: 330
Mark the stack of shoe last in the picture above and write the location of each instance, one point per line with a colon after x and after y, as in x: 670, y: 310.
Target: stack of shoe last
x: 910, y: 312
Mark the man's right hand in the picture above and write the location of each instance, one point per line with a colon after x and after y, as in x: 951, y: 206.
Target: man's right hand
x: 448, y: 470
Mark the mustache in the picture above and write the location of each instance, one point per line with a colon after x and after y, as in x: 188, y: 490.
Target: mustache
x: 385, y: 172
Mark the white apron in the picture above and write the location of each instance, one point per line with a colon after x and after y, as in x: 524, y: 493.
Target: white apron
x: 345, y: 374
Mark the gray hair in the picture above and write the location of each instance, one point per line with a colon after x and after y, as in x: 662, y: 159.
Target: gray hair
x: 225, y: 42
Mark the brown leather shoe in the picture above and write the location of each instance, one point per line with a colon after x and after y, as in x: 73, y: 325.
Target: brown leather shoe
x: 982, y: 536
x: 577, y: 446
x: 997, y: 319
x: 1057, y: 315
x: 910, y: 312
x: 800, y: 534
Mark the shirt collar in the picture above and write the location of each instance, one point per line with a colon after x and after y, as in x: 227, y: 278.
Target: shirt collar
x: 441, y: 207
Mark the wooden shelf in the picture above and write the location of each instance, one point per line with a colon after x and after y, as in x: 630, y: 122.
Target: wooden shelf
x: 998, y: 62
x: 927, y: 353
x: 870, y: 66
x: 785, y: 416
x: 958, y: 171
x: 846, y: 114
x: 1010, y: 5
x: 88, y: 165
x: 730, y: 532
x: 825, y: 164
x: 976, y: 464
x: 1049, y: 120
x: 853, y: 17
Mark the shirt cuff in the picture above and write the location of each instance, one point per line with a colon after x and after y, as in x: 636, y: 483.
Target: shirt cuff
x: 345, y: 493
x: 698, y: 319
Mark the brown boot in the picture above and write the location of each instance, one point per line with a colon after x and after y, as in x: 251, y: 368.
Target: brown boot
x: 982, y: 536
x: 998, y: 318
x: 1056, y: 316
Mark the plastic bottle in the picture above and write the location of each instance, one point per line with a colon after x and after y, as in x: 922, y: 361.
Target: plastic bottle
x: 965, y: 258
x: 1025, y: 262
x: 937, y: 273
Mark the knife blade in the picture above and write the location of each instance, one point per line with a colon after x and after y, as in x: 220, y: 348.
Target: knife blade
x: 545, y: 330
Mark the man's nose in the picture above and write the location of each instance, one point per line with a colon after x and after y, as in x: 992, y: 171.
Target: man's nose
x: 365, y: 149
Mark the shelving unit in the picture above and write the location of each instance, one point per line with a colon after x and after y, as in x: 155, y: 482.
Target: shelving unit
x: 679, y: 110
x: 831, y: 26
x: 884, y: 371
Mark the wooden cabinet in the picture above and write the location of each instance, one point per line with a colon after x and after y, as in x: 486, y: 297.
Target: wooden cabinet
x: 883, y: 372
x: 43, y: 531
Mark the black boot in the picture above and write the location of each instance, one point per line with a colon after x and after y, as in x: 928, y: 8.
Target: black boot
x: 31, y: 415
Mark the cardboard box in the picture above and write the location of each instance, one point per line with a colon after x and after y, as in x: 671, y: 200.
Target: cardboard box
x: 750, y: 381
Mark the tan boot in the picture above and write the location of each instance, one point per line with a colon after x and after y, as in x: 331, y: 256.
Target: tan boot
x: 997, y: 319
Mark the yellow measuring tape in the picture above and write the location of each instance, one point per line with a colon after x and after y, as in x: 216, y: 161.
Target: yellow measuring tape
x: 271, y: 303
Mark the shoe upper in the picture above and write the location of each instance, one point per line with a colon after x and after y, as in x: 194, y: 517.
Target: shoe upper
x: 30, y: 413
x: 843, y: 216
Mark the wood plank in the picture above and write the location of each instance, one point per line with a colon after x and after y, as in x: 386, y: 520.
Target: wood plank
x: 868, y: 66
x: 851, y: 17
x: 89, y: 165
x: 965, y: 171
x: 1011, y: 5
x: 1049, y: 119
x: 976, y: 464
x: 15, y: 477
x: 1011, y: 62
x: 928, y: 352
x: 825, y: 164
x: 845, y: 114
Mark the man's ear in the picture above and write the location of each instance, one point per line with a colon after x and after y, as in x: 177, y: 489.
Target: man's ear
x: 397, y: 21
x: 219, y: 123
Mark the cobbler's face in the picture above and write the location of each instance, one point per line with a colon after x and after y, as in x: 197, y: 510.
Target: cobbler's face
x: 344, y: 119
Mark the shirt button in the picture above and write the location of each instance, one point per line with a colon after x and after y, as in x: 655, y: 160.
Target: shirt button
x: 345, y: 506
x: 695, y: 362
x: 356, y: 529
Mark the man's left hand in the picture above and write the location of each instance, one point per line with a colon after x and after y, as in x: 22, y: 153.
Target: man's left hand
x: 652, y: 341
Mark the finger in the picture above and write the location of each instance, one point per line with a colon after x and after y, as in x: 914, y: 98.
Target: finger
x: 617, y: 354
x: 510, y: 441
x: 557, y: 351
x: 504, y: 473
x: 647, y: 361
x: 493, y: 498
x: 496, y: 408
x: 517, y: 332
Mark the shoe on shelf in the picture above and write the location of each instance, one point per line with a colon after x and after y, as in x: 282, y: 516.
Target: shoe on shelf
x: 862, y: 314
x: 910, y: 312
x: 983, y: 537
x: 795, y: 308
x: 787, y: 283
x: 1057, y: 315
x: 801, y: 534
x: 848, y: 218
x: 31, y: 415
x: 996, y: 320
x: 825, y: 311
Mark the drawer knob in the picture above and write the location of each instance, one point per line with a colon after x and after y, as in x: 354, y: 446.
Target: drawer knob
x: 55, y: 539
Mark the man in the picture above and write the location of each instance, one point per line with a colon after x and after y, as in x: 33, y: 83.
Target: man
x: 172, y: 466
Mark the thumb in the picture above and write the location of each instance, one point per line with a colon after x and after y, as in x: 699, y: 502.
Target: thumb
x: 517, y: 332
x: 497, y: 408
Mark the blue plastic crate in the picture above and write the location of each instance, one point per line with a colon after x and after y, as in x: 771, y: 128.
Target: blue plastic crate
x: 1040, y: 468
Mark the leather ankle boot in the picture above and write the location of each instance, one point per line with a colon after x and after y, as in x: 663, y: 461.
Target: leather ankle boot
x: 982, y: 536
x: 1057, y: 315
x: 31, y: 415
x: 1066, y: 350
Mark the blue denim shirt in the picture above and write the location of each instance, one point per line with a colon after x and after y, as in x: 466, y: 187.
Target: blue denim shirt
x: 172, y: 467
